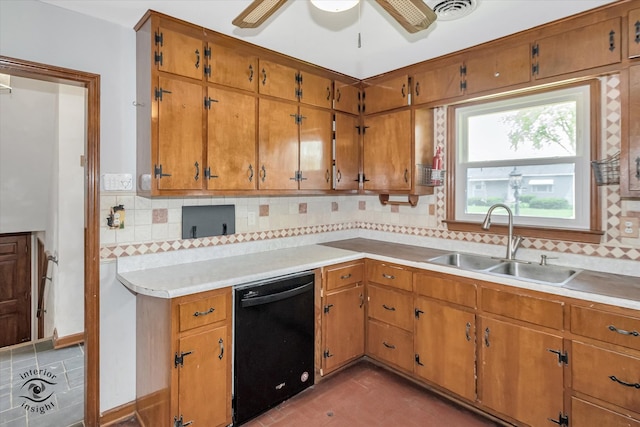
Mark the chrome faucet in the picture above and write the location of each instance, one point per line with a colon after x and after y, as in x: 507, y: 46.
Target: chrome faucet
x: 512, y: 241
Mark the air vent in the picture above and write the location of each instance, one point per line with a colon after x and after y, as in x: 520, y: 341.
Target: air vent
x: 448, y: 10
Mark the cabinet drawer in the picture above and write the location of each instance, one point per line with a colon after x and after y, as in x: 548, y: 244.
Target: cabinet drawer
x: 607, y: 375
x: 608, y: 327
x: 446, y: 289
x: 202, y: 312
x: 390, y: 275
x: 391, y: 344
x: 539, y: 311
x: 586, y: 414
x: 340, y: 276
x: 391, y: 307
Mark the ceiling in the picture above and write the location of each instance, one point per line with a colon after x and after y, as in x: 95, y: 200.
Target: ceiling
x: 331, y: 39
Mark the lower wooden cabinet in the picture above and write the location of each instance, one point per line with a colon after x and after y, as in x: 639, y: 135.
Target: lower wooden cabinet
x: 390, y: 344
x: 521, y: 375
x: 587, y: 414
x: 445, y: 347
x: 183, y: 354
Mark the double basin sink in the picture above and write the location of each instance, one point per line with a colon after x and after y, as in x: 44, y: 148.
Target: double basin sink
x: 546, y: 274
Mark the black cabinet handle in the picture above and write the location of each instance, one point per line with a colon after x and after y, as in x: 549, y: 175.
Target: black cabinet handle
x: 391, y: 346
x: 197, y: 58
x: 204, y: 313
x: 386, y: 307
x: 612, y: 40
x: 221, y: 344
x: 340, y: 94
x: 250, y: 173
x: 486, y: 337
x: 264, y: 77
x: 388, y: 276
x: 338, y: 175
x: 264, y: 173
x: 638, y: 167
x: 467, y: 331
x: 626, y: 384
x: 250, y: 73
x: 623, y: 332
x: 417, y: 88
x: 197, y: 171
x: 402, y: 91
x: 345, y: 276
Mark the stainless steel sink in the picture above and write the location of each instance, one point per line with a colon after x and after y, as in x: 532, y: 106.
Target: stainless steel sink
x: 549, y: 274
x: 467, y: 261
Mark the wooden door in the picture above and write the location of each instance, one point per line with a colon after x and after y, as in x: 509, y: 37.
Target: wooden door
x: 204, y: 378
x: 386, y: 94
x: 519, y: 376
x: 343, y: 327
x: 346, y: 97
x: 387, y: 152
x: 445, y: 347
x: 437, y: 84
x: 15, y: 289
x: 315, y: 149
x: 180, y: 54
x: 633, y: 33
x: 231, y: 147
x: 231, y: 67
x: 347, y: 152
x: 583, y: 48
x: 503, y: 67
x: 630, y: 156
x: 315, y: 90
x: 180, y: 135
x: 277, y: 80
x: 277, y: 145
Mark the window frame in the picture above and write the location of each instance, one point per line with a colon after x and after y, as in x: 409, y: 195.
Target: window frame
x: 593, y: 233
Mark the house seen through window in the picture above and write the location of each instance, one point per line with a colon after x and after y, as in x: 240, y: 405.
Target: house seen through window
x: 530, y: 152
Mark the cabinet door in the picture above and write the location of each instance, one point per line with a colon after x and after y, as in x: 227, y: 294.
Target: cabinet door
x: 386, y: 95
x: 630, y: 156
x: 343, y: 327
x: 180, y: 132
x: 277, y: 145
x: 204, y: 379
x: 633, y: 32
x: 315, y: 90
x: 502, y: 68
x: 437, y: 84
x: 519, y: 376
x: 315, y: 149
x: 346, y: 98
x: 347, y: 152
x: 583, y: 48
x: 445, y: 347
x: 230, y: 67
x: 277, y: 80
x: 179, y: 53
x: 231, y: 152
x: 387, y: 152
x: 587, y: 414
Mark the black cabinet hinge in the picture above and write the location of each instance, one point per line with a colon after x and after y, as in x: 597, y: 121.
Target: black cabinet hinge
x: 563, y: 420
x: 159, y: 38
x: 327, y: 307
x: 207, y: 52
x: 178, y: 360
x: 612, y: 41
x: 535, y: 50
x: 159, y: 92
x: 463, y: 70
x: 417, y: 359
x: 157, y: 171
x: 299, y: 93
x: 417, y: 312
x: 157, y: 58
x: 208, y: 101
x: 207, y: 173
x: 562, y: 357
x: 207, y: 70
x: 298, y: 78
x: 179, y: 422
x: 327, y: 354
x: 535, y: 69
x: 463, y: 85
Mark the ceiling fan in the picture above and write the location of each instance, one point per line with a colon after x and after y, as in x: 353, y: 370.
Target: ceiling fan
x: 413, y: 15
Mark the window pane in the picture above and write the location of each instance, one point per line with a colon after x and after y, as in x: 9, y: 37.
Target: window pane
x: 540, y: 131
x: 536, y: 191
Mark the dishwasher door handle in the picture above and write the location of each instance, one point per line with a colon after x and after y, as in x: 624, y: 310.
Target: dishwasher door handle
x: 249, y: 302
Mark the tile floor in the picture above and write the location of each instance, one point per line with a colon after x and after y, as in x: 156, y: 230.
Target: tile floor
x: 41, y: 387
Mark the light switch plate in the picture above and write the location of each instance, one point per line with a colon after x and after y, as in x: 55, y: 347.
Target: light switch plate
x: 117, y: 182
x: 629, y: 226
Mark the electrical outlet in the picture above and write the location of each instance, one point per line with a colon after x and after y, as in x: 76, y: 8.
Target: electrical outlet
x: 629, y: 226
x: 117, y: 182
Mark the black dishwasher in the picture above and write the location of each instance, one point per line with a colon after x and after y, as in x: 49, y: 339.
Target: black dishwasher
x: 274, y: 343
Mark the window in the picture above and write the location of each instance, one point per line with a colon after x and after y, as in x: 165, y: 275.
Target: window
x: 530, y: 152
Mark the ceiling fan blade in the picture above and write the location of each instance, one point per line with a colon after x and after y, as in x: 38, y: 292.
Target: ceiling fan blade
x: 413, y: 15
x: 257, y: 12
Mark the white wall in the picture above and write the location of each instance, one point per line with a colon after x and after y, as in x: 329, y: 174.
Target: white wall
x: 27, y: 140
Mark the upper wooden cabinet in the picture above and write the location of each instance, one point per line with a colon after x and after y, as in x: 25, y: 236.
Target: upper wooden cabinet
x: 231, y: 143
x: 498, y: 68
x: 347, y: 152
x: 630, y: 152
x: 633, y: 33
x: 346, y: 97
x: 178, y: 53
x: 294, y: 85
x: 231, y: 67
x: 438, y: 83
x: 578, y: 49
x: 387, y: 152
x: 315, y: 149
x: 385, y: 94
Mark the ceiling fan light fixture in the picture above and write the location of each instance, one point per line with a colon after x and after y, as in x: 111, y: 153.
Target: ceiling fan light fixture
x: 257, y: 12
x: 413, y: 15
x: 334, y: 5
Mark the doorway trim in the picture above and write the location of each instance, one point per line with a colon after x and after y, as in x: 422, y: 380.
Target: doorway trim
x: 91, y: 82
